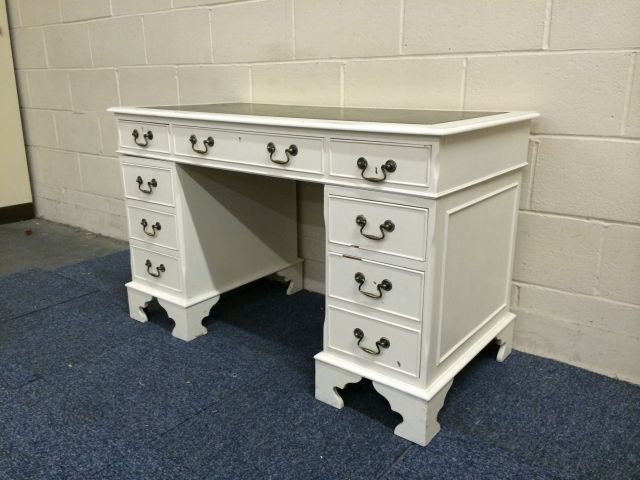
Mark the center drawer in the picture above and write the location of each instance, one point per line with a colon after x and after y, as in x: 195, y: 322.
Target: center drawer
x: 384, y: 344
x: 379, y: 227
x: 286, y: 152
x: 394, y: 290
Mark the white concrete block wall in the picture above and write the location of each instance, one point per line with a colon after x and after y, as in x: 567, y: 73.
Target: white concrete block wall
x: 577, y: 269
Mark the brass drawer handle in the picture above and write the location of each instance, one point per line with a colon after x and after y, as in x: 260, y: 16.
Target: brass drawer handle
x: 208, y: 142
x: 387, y: 226
x: 382, y: 343
x: 383, y: 285
x: 159, y: 269
x: 147, y: 136
x: 152, y: 184
x: 292, y: 151
x: 155, y: 227
x: 388, y: 166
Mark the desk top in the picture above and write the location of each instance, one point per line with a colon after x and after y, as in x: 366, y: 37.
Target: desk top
x: 377, y: 120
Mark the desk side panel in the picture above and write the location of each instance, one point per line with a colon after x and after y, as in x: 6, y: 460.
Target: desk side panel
x: 472, y: 258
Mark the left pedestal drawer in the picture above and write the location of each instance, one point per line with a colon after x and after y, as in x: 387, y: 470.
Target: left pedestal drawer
x: 152, y: 137
x: 152, y: 226
x: 149, y: 184
x: 156, y: 268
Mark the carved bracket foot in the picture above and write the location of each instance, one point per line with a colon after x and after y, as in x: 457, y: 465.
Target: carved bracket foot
x: 138, y: 301
x: 505, y: 341
x: 328, y: 379
x: 293, y: 275
x: 188, y: 321
x: 419, y: 416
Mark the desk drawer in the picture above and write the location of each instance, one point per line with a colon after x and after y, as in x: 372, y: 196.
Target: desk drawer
x: 405, y: 164
x: 379, y: 227
x: 153, y: 227
x: 301, y: 154
x: 389, y: 289
x: 399, y: 347
x: 149, y: 184
x: 226, y: 145
x: 151, y: 137
x: 252, y: 148
x: 156, y: 268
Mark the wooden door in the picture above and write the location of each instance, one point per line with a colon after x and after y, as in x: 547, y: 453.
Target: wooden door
x: 15, y: 191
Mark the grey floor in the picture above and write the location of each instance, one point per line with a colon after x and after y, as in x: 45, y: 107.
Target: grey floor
x: 39, y: 243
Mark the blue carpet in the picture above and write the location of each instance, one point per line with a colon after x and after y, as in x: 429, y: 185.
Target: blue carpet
x: 27, y: 292
x: 13, y: 376
x: 87, y: 393
x: 107, y: 274
x: 56, y: 338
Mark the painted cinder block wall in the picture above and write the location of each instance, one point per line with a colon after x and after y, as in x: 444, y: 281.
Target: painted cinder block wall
x: 577, y: 269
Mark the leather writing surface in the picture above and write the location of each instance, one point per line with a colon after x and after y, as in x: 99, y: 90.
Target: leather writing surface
x: 373, y: 115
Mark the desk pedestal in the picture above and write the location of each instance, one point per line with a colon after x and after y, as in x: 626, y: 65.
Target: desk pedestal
x: 199, y: 233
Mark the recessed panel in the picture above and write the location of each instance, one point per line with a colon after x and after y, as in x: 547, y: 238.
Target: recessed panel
x: 477, y: 266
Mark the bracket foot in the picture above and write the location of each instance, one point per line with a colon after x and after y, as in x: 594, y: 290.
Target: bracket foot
x: 419, y: 417
x: 188, y: 320
x: 505, y: 341
x: 294, y: 275
x: 328, y: 379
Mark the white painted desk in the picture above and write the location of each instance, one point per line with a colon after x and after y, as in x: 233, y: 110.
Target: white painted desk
x: 420, y: 214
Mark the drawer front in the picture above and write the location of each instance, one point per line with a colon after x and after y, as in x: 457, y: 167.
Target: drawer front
x: 152, y: 137
x: 301, y: 154
x: 394, y: 290
x: 214, y: 144
x: 379, y: 227
x: 402, y: 351
x: 153, y: 227
x: 382, y: 163
x: 149, y: 184
x: 155, y: 268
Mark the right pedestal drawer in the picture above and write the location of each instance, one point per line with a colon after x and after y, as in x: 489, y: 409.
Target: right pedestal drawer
x: 381, y: 163
x: 384, y: 344
x: 389, y: 289
x: 381, y: 227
